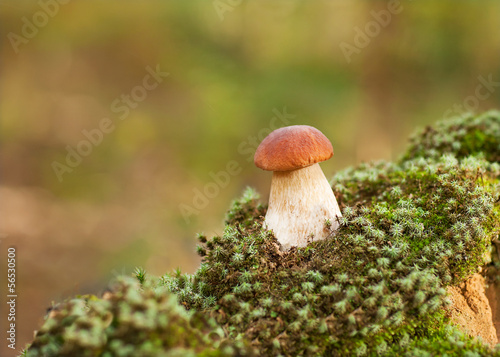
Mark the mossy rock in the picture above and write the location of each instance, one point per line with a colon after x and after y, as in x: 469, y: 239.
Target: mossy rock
x: 377, y: 286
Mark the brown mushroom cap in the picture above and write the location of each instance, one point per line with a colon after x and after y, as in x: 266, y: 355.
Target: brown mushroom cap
x: 291, y: 148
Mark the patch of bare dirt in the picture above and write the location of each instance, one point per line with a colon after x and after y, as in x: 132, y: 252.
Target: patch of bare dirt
x: 471, y: 309
x: 493, y: 295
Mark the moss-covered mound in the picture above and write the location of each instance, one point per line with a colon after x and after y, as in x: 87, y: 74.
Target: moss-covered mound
x: 377, y: 286
x: 374, y: 286
x: 130, y: 320
x: 462, y: 136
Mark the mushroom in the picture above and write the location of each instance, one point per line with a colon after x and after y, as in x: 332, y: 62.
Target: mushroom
x: 301, y: 202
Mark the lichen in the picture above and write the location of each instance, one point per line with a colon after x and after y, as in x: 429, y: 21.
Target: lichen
x: 376, y: 286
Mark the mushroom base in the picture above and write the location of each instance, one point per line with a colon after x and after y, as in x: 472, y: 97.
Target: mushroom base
x: 300, y: 204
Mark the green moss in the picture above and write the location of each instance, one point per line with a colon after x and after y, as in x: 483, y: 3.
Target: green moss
x: 408, y: 231
x: 462, y: 136
x: 377, y: 286
x: 130, y: 320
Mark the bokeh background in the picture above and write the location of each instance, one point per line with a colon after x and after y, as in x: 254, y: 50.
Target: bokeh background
x: 233, y: 66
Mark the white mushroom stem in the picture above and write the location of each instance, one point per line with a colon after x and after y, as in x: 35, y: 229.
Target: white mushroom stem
x: 300, y: 203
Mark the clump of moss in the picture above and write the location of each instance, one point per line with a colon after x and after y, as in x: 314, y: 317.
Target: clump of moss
x: 461, y: 136
x: 444, y: 340
x: 130, y: 320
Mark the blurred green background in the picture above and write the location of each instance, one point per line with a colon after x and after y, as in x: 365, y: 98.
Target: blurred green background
x: 366, y: 73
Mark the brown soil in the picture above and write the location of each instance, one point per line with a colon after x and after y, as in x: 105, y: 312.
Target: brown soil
x: 471, y: 309
x: 493, y: 295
